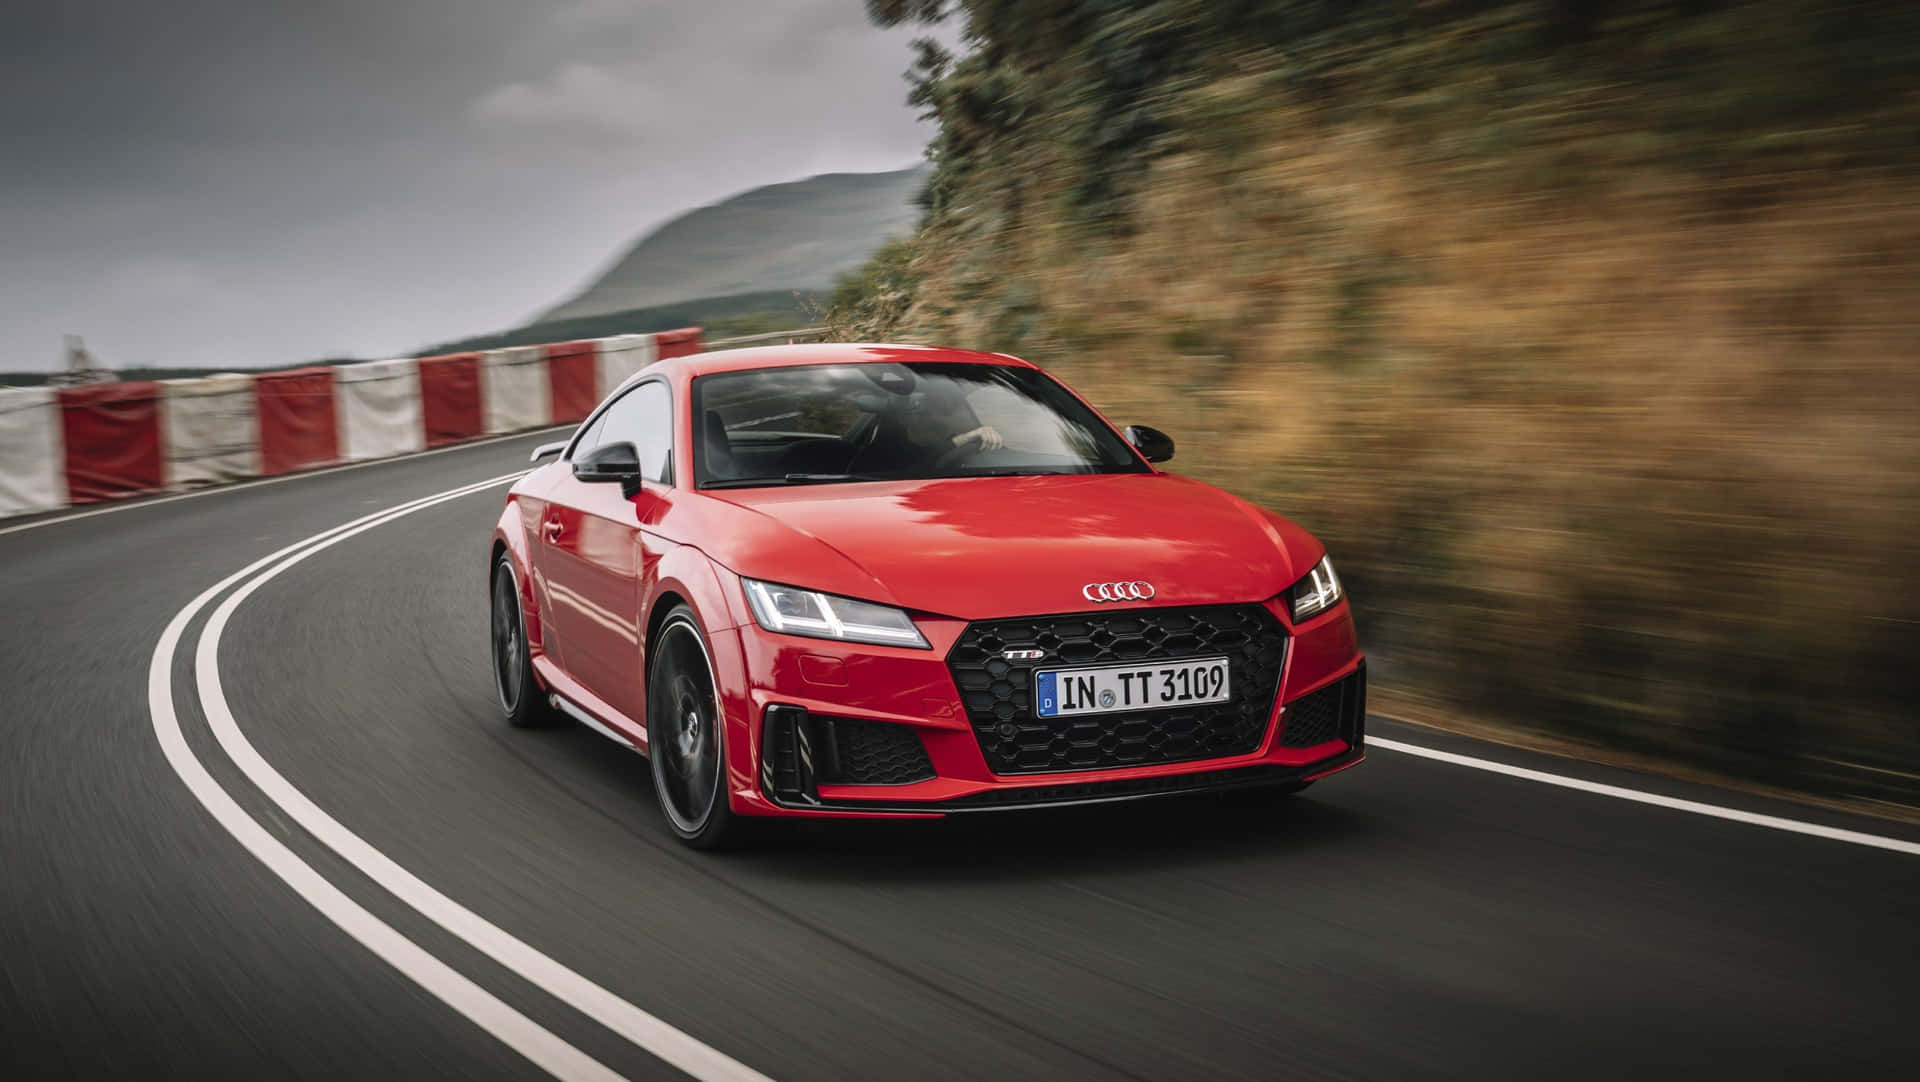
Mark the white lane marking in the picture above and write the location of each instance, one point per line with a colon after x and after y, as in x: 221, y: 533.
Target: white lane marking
x: 519, y: 1032
x: 134, y: 504
x: 1715, y: 811
x: 643, y: 1029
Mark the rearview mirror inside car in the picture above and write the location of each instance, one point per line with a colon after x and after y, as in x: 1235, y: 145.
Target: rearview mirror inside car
x: 1153, y: 444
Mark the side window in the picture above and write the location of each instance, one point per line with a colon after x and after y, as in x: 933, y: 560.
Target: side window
x: 590, y: 438
x: 644, y: 418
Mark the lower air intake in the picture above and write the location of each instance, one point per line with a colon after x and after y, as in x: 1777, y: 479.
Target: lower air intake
x: 1335, y: 712
x: 876, y: 753
x: 799, y: 752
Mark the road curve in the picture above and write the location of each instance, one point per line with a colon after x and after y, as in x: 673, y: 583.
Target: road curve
x: 1411, y: 919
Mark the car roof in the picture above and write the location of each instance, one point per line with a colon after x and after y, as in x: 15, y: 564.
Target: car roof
x: 738, y: 360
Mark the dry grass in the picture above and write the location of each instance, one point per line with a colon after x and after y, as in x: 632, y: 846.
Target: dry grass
x: 1633, y: 460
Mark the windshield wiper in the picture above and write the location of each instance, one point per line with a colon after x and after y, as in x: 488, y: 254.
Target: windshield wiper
x: 831, y: 478
x: 826, y: 478
x: 790, y: 479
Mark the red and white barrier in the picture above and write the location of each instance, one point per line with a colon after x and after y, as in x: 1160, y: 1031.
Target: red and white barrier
x: 621, y: 357
x: 450, y: 399
x: 103, y: 441
x: 676, y: 343
x: 378, y: 404
x: 31, y: 451
x: 572, y: 390
x: 113, y: 440
x: 514, y: 389
x: 299, y: 428
x: 212, y: 431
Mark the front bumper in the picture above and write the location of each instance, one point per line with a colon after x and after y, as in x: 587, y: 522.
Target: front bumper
x: 1078, y: 793
x: 802, y: 698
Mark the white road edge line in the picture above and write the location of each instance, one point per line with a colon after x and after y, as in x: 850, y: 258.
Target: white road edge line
x: 636, y: 1025
x: 516, y: 1030
x: 1774, y: 822
x: 135, y: 503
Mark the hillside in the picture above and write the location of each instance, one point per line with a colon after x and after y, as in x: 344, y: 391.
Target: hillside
x: 722, y: 317
x: 1583, y: 334
x: 800, y: 235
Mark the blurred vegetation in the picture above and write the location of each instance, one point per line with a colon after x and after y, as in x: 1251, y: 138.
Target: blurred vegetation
x: 1584, y: 333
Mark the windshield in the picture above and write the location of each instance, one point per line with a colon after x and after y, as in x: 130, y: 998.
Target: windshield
x: 818, y: 424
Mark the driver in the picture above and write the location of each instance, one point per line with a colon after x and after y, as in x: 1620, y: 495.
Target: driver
x: 938, y: 427
x: 946, y: 421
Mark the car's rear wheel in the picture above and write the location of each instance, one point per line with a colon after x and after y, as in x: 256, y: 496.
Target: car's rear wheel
x: 686, y: 736
x: 513, y: 683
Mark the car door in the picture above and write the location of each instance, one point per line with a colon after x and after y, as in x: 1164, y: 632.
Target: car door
x: 542, y: 518
x: 595, y: 550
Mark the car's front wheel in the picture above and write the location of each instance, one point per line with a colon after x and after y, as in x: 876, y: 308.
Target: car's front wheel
x: 685, y: 736
x: 513, y: 683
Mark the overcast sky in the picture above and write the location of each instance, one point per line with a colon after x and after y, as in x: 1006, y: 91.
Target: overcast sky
x: 259, y: 182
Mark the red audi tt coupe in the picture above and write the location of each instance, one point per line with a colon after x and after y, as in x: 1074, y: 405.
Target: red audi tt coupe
x: 864, y: 580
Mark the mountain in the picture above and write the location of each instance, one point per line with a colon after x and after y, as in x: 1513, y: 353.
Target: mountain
x: 722, y: 317
x: 799, y: 235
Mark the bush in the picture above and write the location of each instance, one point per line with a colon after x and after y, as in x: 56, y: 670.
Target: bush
x: 1582, y: 332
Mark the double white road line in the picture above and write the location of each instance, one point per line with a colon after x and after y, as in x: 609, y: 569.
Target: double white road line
x: 519, y: 1032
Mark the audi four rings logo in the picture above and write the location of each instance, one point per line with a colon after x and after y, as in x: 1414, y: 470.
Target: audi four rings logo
x: 1117, y: 591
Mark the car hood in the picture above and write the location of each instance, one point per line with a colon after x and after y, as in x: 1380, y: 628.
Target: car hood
x: 1009, y: 546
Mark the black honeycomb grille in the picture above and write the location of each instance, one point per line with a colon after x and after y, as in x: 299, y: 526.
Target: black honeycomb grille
x: 1334, y: 712
x: 998, y: 693
x: 877, y: 753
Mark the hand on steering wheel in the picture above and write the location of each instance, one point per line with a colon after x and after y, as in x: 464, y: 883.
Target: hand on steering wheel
x: 983, y: 438
x: 989, y: 437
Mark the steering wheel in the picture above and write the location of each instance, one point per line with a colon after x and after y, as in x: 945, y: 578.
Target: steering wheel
x: 960, y: 450
x: 863, y: 441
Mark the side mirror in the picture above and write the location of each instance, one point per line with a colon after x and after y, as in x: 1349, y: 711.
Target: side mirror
x: 1153, y: 444
x: 611, y: 462
x: 546, y: 449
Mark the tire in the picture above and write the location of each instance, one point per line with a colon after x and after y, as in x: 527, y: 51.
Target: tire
x: 686, y: 737
x: 514, y: 687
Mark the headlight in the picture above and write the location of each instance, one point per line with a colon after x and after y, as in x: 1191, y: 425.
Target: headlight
x: 793, y: 611
x: 1316, y: 593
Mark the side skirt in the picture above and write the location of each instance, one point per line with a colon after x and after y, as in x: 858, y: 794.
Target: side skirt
x: 583, y: 706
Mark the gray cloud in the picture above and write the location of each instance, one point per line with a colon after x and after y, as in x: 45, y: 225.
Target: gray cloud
x: 246, y: 182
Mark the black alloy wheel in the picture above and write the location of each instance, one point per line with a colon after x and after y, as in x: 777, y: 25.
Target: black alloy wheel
x: 685, y: 740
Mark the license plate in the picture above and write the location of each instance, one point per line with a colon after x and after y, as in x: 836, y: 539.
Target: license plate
x: 1065, y: 692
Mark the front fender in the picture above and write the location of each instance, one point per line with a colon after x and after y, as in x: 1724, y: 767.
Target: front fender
x: 711, y: 590
x: 686, y: 572
x: 511, y: 531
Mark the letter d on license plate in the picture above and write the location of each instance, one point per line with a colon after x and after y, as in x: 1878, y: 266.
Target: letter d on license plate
x: 1111, y: 688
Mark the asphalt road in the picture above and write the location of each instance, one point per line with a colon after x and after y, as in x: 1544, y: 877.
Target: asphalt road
x: 1409, y: 919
